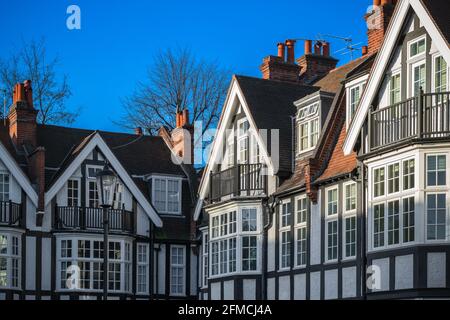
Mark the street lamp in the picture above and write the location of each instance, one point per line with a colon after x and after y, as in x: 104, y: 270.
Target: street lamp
x: 106, y: 185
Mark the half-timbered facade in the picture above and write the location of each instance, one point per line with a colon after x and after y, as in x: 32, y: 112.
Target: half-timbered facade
x: 361, y: 209
x: 51, y: 225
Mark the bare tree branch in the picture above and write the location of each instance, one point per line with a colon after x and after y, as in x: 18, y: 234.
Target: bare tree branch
x: 50, y: 92
x: 175, y: 82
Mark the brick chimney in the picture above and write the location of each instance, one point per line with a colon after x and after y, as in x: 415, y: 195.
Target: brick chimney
x: 280, y: 67
x: 377, y: 23
x: 182, y: 137
x: 315, y: 65
x: 22, y: 115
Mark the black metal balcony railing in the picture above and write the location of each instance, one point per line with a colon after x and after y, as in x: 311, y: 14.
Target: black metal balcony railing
x: 80, y: 218
x: 423, y: 117
x: 240, y: 180
x: 10, y: 213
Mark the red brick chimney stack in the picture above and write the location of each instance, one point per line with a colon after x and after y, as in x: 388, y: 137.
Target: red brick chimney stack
x: 22, y: 115
x: 378, y: 22
x: 279, y: 67
x: 315, y: 65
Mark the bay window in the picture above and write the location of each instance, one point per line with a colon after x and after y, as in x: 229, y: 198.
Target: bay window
x: 166, y: 195
x: 10, y: 258
x: 233, y: 243
x: 86, y: 256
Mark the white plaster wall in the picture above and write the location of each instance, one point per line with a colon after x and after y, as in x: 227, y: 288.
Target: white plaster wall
x: 284, y: 288
x: 215, y: 291
x: 383, y: 265
x: 331, y: 284
x: 316, y: 232
x: 271, y: 289
x: 46, y: 263
x: 349, y: 282
x: 31, y: 263
x: 228, y: 290
x: 436, y: 274
x: 162, y: 270
x: 404, y: 272
x: 249, y: 287
x: 143, y: 223
x: 271, y: 249
x: 315, y: 286
x: 300, y: 287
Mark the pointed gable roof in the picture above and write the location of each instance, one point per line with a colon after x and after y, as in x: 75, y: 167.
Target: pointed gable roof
x: 433, y: 14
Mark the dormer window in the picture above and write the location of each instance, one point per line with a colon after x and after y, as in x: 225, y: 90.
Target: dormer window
x: 308, y: 127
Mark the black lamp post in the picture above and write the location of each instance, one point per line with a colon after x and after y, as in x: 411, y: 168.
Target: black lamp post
x: 106, y: 185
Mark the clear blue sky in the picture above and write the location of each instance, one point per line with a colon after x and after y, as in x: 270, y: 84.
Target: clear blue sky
x: 118, y: 39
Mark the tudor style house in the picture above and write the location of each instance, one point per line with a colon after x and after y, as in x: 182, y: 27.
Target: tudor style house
x: 322, y: 178
x: 50, y: 220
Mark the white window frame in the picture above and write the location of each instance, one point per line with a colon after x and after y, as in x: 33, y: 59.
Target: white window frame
x: 428, y: 155
x: 241, y: 138
x: 145, y: 264
x: 180, y: 195
x: 8, y: 194
x: 395, y: 74
x: 388, y: 179
x: 331, y: 218
x: 183, y: 266
x: 434, y: 70
x: 345, y: 185
x: 91, y: 179
x: 413, y: 66
x: 300, y: 225
x: 446, y: 238
x: 205, y: 259
x: 349, y: 214
x: 10, y: 257
x: 357, y: 83
x: 417, y: 40
x: 238, y: 235
x: 74, y: 259
x: 78, y: 191
x: 308, y: 120
x: 285, y: 229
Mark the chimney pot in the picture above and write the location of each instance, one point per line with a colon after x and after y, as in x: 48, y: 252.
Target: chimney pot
x: 376, y: 3
x: 282, y: 51
x: 28, y: 93
x: 185, y: 118
x: 318, y: 48
x: 385, y: 2
x: 291, y: 51
x: 138, y: 131
x: 326, y: 49
x: 365, y: 50
x: 308, y: 46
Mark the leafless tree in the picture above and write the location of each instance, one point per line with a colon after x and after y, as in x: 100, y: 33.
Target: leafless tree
x: 176, y: 81
x: 50, y: 91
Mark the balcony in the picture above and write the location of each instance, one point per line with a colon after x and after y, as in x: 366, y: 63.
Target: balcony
x: 91, y: 219
x: 244, y: 180
x: 418, y: 119
x: 10, y: 214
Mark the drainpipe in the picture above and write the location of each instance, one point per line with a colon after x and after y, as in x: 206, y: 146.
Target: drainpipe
x: 151, y: 259
x: 269, y: 210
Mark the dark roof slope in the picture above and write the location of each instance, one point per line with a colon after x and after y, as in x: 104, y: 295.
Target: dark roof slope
x: 271, y: 104
x: 438, y: 10
x: 139, y: 155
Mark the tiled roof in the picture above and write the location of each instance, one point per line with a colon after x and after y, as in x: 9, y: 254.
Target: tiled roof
x: 332, y: 82
x: 271, y: 104
x: 439, y: 12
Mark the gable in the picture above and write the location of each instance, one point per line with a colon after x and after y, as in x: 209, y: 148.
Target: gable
x: 385, y: 58
x: 96, y: 141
